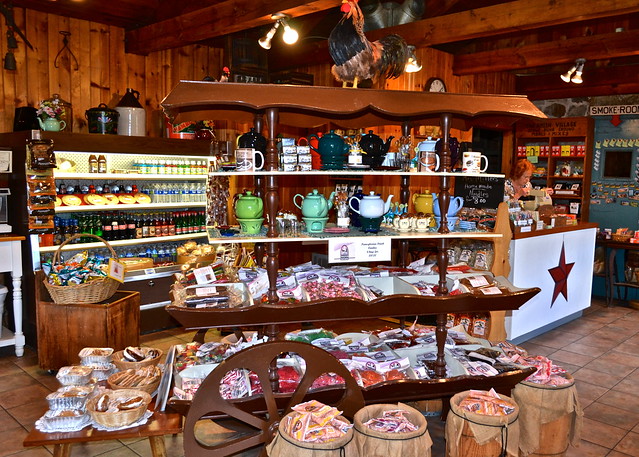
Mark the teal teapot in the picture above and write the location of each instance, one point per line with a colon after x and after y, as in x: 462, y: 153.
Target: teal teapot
x: 314, y: 204
x: 330, y: 145
x: 248, y: 206
x: 371, y: 206
x: 51, y: 124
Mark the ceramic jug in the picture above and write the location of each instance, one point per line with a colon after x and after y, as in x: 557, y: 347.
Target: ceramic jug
x: 132, y: 120
x: 248, y: 206
x: 423, y: 202
x: 314, y: 204
x: 371, y: 206
x: 252, y: 139
x: 51, y: 124
x: 456, y: 203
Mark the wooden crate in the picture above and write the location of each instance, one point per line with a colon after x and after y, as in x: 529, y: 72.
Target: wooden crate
x: 63, y: 330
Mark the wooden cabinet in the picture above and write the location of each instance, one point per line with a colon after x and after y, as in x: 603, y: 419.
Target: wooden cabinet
x: 561, y: 150
x: 63, y: 330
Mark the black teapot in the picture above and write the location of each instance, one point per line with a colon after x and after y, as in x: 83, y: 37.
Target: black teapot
x: 252, y: 139
x: 375, y: 149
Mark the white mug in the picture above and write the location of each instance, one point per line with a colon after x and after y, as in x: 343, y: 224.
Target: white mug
x: 471, y: 162
x: 429, y: 161
x: 245, y: 159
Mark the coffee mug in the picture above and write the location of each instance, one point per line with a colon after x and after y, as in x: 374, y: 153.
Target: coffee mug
x: 471, y: 162
x: 245, y: 159
x: 429, y: 161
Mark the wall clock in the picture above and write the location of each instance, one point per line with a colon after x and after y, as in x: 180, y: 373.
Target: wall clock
x: 435, y: 85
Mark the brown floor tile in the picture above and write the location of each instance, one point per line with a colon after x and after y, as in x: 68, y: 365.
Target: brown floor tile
x: 121, y: 452
x: 584, y: 349
x: 23, y: 395
x: 616, y: 454
x: 587, y: 391
x: 615, y: 356
x: 612, y: 416
x: 537, y: 349
x: 33, y: 452
x: 627, y: 323
x: 582, y: 327
x: 173, y: 444
x: 629, y: 444
x: 95, y: 448
x: 27, y: 414
x: 606, y: 365
x: 562, y: 356
x: 7, y: 420
x: 602, y: 434
x: 630, y: 383
x: 8, y: 368
x: 632, y: 340
x: 12, y: 439
x: 620, y: 400
x: 586, y: 449
x: 556, y: 338
x: 597, y: 378
x: 599, y: 342
x: 19, y: 379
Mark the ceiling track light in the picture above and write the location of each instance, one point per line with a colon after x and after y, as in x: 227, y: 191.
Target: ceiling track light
x: 574, y: 74
x: 290, y: 35
x: 412, y: 65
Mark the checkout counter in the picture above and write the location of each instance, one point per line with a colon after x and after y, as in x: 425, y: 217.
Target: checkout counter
x: 559, y: 260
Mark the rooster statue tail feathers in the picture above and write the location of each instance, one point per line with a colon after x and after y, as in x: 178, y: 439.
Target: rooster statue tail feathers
x: 355, y: 57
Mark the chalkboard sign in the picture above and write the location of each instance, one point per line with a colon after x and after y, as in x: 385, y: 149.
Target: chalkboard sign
x: 480, y: 192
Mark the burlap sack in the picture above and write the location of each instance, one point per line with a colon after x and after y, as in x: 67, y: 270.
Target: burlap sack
x: 372, y: 443
x: 539, y: 405
x: 283, y: 445
x: 502, y: 429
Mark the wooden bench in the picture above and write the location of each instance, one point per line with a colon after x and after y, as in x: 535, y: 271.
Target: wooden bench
x: 158, y: 425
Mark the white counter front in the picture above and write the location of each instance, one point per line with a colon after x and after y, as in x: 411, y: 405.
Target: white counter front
x: 560, y: 263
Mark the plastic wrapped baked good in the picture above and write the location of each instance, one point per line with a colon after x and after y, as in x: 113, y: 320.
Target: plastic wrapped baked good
x: 69, y: 397
x: 74, y: 375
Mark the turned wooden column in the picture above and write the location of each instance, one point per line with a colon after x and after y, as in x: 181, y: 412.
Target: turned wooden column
x: 404, y: 197
x: 258, y: 123
x: 271, y: 202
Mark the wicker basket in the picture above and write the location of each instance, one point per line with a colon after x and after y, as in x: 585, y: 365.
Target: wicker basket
x: 119, y: 418
x: 148, y: 388
x: 91, y: 292
x: 621, y: 238
x: 122, y: 364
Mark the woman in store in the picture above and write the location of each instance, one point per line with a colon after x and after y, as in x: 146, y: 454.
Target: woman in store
x: 518, y: 184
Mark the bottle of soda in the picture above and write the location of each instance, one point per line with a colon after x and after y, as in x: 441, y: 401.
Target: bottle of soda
x: 115, y: 227
x: 123, y: 226
x: 107, y: 229
x: 138, y: 226
x: 96, y: 222
x: 130, y: 228
x: 171, y: 224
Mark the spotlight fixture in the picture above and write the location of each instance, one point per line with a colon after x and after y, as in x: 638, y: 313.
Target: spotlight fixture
x: 10, y: 61
x: 412, y: 65
x: 574, y: 74
x: 290, y: 35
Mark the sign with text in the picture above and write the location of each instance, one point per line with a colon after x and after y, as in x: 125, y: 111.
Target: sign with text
x: 359, y: 249
x: 480, y: 192
x: 614, y: 110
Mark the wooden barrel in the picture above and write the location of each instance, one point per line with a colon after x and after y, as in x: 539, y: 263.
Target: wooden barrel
x: 499, y: 435
x: 553, y: 436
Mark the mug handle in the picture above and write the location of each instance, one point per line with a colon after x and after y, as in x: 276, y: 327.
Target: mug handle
x: 256, y: 168
x: 483, y: 157
x: 436, y: 162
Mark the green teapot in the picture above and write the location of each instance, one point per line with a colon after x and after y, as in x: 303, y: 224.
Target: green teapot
x: 314, y: 204
x: 330, y: 145
x: 248, y: 206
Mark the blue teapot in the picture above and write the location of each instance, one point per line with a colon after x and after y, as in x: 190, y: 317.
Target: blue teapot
x: 456, y: 203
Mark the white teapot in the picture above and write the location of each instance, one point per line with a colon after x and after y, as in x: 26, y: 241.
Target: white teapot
x: 371, y: 206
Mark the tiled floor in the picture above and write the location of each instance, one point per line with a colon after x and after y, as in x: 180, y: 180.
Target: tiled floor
x: 601, y: 350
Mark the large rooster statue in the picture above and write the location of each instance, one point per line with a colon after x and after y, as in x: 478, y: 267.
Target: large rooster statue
x: 355, y: 57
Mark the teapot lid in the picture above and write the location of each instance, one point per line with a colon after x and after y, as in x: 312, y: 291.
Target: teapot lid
x: 102, y: 107
x: 131, y: 99
x: 372, y: 195
x: 315, y: 193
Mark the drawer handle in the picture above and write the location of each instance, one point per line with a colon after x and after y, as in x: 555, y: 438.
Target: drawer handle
x: 151, y: 283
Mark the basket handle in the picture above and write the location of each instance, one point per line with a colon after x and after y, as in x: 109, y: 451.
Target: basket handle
x: 56, y: 255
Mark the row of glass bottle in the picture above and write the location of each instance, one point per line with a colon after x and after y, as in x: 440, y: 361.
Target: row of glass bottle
x: 171, y: 167
x: 162, y: 253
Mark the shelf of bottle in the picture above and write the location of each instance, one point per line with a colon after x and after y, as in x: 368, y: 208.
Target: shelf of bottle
x: 214, y: 237
x: 128, y: 176
x: 135, y: 206
x: 579, y: 177
x: 116, y: 243
x: 357, y: 172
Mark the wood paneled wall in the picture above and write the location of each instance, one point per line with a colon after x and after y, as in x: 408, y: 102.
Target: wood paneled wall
x: 104, y: 71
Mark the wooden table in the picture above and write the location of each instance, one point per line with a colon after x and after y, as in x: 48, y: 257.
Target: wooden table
x: 11, y: 261
x: 158, y: 425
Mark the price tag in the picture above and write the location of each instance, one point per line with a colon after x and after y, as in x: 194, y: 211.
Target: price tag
x: 204, y: 275
x: 492, y: 290
x: 116, y: 270
x: 149, y: 271
x: 359, y: 249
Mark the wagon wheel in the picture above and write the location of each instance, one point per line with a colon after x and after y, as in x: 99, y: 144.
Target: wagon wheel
x: 208, y: 400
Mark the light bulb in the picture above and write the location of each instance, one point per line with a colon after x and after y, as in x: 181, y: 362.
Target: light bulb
x: 577, y: 77
x: 290, y: 35
x: 265, y: 41
x: 565, y: 77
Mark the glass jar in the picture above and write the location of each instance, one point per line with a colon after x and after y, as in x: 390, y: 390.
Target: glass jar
x: 67, y: 110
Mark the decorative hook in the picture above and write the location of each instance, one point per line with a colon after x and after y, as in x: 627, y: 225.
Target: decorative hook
x: 65, y: 45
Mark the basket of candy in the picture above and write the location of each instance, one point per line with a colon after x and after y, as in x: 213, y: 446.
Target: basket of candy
x: 80, y: 279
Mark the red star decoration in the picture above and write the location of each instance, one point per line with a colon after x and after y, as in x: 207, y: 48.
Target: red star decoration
x: 560, y: 276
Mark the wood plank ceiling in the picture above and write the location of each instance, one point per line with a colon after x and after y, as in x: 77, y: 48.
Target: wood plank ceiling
x: 535, y: 39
